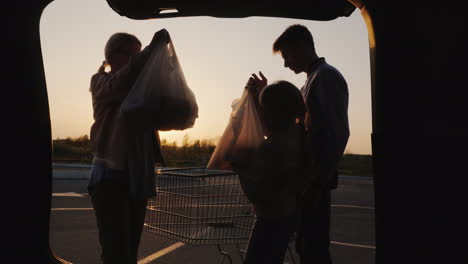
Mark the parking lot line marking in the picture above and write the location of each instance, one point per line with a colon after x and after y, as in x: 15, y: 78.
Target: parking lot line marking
x: 352, y: 245
x: 352, y: 206
x: 70, y: 209
x: 161, y: 253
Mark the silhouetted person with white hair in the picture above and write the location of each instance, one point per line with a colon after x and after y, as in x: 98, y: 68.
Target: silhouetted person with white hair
x: 120, y: 216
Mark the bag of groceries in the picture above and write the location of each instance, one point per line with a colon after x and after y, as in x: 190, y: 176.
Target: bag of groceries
x: 160, y: 98
x: 243, y: 133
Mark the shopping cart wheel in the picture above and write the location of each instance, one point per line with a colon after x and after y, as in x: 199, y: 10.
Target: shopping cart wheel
x: 225, y: 255
x: 241, y: 252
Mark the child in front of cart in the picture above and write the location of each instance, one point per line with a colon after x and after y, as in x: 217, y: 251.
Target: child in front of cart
x: 271, y: 176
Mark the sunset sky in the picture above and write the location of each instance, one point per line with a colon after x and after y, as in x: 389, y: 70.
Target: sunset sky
x: 217, y: 56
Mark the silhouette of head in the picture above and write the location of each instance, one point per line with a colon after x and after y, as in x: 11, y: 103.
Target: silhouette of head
x: 296, y: 46
x: 282, y: 104
x: 120, y: 48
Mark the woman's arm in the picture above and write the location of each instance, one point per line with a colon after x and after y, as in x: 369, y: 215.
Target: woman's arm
x: 113, y: 88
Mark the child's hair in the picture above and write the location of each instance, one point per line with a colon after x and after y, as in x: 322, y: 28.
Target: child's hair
x: 284, y: 99
x: 116, y: 43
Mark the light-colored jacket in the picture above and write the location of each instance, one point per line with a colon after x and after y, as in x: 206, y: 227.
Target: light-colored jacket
x: 108, y: 132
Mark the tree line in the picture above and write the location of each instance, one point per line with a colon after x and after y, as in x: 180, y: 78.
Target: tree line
x: 189, y: 153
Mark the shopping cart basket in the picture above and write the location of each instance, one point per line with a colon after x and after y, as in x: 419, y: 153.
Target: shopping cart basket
x: 199, y: 206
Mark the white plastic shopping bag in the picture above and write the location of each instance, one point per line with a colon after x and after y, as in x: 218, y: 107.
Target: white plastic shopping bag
x: 244, y: 131
x: 160, y: 99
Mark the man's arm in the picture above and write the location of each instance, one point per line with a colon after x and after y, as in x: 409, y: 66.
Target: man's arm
x: 338, y: 113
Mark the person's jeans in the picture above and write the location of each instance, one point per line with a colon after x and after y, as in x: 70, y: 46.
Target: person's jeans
x: 313, y: 233
x: 120, y: 221
x: 269, y: 240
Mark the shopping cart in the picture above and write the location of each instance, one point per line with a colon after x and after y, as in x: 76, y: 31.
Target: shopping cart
x: 199, y: 206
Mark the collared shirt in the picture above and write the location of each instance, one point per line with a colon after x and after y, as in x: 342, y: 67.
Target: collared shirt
x: 326, y: 95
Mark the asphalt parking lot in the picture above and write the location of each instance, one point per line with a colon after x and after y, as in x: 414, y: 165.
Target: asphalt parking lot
x: 74, y: 237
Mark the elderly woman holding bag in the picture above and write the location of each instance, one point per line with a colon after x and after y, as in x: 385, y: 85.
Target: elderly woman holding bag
x: 120, y: 216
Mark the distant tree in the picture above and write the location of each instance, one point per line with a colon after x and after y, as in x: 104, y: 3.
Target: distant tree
x: 190, y: 153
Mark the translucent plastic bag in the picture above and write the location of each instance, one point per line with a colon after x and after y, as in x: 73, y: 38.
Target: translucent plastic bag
x: 160, y: 98
x: 243, y: 132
